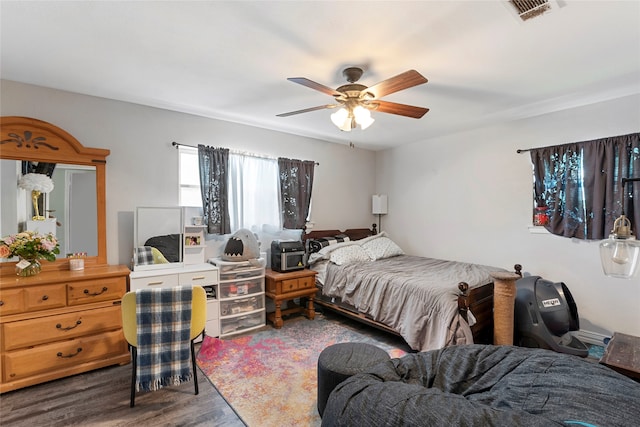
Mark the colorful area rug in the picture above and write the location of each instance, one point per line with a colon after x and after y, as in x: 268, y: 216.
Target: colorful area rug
x: 595, y: 351
x: 270, y: 377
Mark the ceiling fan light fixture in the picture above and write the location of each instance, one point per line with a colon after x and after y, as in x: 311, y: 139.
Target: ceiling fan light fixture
x: 347, y: 125
x: 341, y: 118
x: 355, y: 101
x: 363, y: 117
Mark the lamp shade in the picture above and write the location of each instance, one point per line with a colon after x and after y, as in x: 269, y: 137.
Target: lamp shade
x: 363, y: 117
x: 620, y: 253
x: 346, y: 118
x: 339, y: 116
x: 620, y: 257
x: 36, y: 182
x: 342, y: 119
x: 379, y: 204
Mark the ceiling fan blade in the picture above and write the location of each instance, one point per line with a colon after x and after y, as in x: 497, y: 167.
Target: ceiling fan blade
x: 306, y: 110
x: 400, y: 82
x: 400, y: 109
x: 313, y: 85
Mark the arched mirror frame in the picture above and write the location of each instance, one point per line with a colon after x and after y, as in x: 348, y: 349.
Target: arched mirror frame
x: 24, y: 138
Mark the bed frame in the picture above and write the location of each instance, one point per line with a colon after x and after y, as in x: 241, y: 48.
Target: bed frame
x: 478, y: 300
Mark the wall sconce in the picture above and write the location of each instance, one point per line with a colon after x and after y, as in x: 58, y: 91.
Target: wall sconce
x: 621, y: 251
x: 379, y: 206
x: 37, y: 183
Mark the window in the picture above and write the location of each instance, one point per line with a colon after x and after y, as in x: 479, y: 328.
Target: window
x: 253, y: 192
x: 580, y: 185
x: 189, y: 177
x: 253, y: 188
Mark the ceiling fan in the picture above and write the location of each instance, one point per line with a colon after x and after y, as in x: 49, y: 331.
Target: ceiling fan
x: 356, y: 100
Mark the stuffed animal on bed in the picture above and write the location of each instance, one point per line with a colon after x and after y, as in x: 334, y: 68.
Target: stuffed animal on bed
x: 241, y: 246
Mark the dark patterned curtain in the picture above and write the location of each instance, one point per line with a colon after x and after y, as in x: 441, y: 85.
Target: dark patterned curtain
x: 214, y: 166
x: 296, y: 182
x: 581, y: 184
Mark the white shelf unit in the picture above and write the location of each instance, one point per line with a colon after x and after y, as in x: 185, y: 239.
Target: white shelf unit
x: 204, y: 274
x: 241, y: 296
x: 193, y: 244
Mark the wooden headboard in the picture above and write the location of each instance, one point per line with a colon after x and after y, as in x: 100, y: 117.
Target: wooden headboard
x: 353, y: 233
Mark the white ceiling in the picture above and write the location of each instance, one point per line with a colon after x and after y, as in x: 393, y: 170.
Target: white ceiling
x: 230, y: 59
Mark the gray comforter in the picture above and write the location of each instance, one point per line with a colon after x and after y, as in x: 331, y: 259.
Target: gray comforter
x: 415, y: 296
x: 485, y: 386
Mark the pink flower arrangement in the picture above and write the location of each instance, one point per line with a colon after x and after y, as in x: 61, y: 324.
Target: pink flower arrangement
x: 30, y: 245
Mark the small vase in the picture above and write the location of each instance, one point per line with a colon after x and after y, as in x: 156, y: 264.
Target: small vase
x: 28, y: 267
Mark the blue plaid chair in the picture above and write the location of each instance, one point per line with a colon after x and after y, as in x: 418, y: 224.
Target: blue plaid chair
x: 154, y: 321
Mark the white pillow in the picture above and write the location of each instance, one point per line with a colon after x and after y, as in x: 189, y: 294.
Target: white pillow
x: 369, y: 238
x: 324, y: 254
x: 349, y: 254
x: 326, y: 251
x: 381, y: 248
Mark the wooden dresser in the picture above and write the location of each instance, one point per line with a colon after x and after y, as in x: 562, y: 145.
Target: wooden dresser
x: 60, y: 323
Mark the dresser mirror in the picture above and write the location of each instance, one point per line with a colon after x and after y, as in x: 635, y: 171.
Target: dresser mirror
x: 69, y: 209
x: 158, y: 238
x: 74, y: 209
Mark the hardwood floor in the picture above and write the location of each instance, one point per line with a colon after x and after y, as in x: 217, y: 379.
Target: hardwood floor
x: 101, y: 398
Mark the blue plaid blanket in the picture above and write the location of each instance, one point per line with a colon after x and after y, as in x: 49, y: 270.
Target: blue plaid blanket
x: 164, y: 329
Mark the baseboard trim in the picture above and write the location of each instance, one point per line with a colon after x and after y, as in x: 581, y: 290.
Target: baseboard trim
x: 591, y: 337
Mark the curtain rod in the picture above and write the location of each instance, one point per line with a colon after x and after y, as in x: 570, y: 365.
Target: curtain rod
x: 524, y: 150
x: 244, y: 153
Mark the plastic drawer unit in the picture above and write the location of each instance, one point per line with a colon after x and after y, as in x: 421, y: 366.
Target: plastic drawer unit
x: 241, y: 295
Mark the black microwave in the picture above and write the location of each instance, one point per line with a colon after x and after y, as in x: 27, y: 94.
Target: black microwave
x: 287, y: 255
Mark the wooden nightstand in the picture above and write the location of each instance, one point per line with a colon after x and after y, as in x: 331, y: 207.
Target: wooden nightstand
x: 623, y: 355
x: 287, y: 286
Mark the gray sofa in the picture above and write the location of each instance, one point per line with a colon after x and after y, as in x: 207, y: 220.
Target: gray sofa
x: 477, y: 385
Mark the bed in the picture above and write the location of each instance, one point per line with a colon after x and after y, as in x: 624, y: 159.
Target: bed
x: 431, y: 303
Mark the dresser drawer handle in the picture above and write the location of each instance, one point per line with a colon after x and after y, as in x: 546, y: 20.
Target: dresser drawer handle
x: 68, y: 328
x: 104, y: 289
x: 1, y: 303
x: 154, y: 283
x: 69, y: 355
x: 45, y: 297
x: 198, y: 278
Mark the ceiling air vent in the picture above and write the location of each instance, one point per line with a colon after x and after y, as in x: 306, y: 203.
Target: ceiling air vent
x: 528, y: 9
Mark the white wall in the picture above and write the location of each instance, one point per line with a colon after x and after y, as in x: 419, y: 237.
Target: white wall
x: 466, y: 196
x: 142, y: 169
x: 469, y: 197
